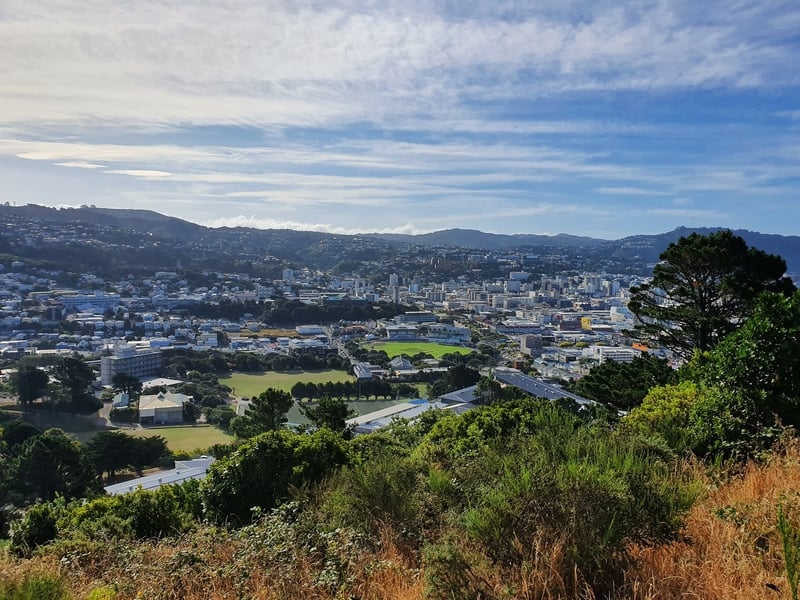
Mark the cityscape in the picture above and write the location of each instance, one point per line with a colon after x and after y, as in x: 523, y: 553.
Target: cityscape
x: 391, y: 300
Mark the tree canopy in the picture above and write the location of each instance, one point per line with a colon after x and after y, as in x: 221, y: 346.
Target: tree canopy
x: 625, y: 384
x: 329, y: 412
x: 30, y: 382
x: 267, y: 412
x: 703, y: 289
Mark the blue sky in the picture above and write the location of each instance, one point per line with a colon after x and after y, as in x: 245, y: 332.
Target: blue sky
x: 592, y: 118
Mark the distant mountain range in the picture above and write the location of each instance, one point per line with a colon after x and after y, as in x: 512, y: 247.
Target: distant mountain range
x: 297, y: 244
x: 471, y: 238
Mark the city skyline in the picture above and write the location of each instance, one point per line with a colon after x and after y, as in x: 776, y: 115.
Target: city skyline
x: 573, y: 117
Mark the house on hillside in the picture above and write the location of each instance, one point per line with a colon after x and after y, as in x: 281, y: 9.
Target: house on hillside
x: 163, y: 408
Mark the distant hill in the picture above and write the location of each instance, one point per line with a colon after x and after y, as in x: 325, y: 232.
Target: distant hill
x: 649, y: 247
x: 471, y: 238
x: 145, y: 221
x: 644, y: 247
x: 327, y: 249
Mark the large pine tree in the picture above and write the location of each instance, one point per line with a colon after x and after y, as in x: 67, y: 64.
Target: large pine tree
x: 704, y: 287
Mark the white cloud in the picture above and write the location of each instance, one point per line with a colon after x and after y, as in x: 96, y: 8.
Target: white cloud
x: 79, y: 164
x: 261, y: 223
x: 277, y: 63
x: 142, y: 173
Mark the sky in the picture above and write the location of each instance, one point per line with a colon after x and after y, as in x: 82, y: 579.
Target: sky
x: 599, y: 118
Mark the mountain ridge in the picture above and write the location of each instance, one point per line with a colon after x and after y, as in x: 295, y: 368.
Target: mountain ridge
x: 646, y: 247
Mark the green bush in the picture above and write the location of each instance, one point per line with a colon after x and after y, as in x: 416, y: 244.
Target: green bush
x: 140, y: 514
x: 590, y: 494
x: 260, y: 473
x: 35, y: 587
x: 383, y: 491
x: 102, y: 593
x: 449, y: 572
x: 36, y: 527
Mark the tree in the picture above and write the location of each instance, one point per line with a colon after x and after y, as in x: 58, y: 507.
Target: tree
x: 329, y: 412
x: 128, y: 384
x: 625, y: 384
x: 703, y: 288
x: 112, y: 451
x: 109, y: 451
x: 191, y: 412
x: 54, y: 464
x: 16, y: 432
x: 30, y: 382
x: 267, y: 412
x: 300, y: 390
x: 260, y: 472
x: 488, y: 390
x: 75, y: 376
x: 456, y: 378
x: 762, y: 359
x: 221, y: 416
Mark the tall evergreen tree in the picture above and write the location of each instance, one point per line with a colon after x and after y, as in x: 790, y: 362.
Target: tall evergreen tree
x: 703, y: 289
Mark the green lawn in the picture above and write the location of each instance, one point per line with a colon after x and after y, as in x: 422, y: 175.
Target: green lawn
x: 186, y: 437
x: 247, y: 385
x: 410, y: 348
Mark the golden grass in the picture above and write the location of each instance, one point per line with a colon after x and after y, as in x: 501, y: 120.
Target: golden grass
x: 732, y: 550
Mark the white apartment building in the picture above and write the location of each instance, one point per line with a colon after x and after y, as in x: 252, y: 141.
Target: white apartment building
x: 130, y: 360
x: 616, y: 353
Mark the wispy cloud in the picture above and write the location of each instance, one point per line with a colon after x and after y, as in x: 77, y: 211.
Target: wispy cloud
x: 79, y: 164
x: 284, y: 64
x: 351, y: 116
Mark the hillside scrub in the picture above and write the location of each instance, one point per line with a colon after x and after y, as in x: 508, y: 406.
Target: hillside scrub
x: 729, y: 547
x: 496, y: 487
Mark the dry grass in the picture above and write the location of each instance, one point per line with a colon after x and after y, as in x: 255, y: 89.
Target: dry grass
x: 214, y: 565
x: 730, y: 551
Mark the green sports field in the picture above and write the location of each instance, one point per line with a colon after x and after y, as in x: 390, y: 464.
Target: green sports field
x: 246, y: 385
x: 187, y: 437
x: 410, y: 348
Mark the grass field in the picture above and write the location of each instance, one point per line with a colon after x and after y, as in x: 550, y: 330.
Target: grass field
x: 410, y: 348
x: 186, y: 438
x: 252, y: 384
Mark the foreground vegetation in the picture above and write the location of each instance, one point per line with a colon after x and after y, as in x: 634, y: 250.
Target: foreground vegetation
x: 728, y: 544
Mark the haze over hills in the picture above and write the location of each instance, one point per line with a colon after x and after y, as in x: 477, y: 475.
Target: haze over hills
x: 292, y: 244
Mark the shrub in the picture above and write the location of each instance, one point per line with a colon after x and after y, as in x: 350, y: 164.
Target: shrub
x: 260, y: 472
x: 603, y: 493
x: 449, y: 572
x: 35, y: 587
x: 37, y: 527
